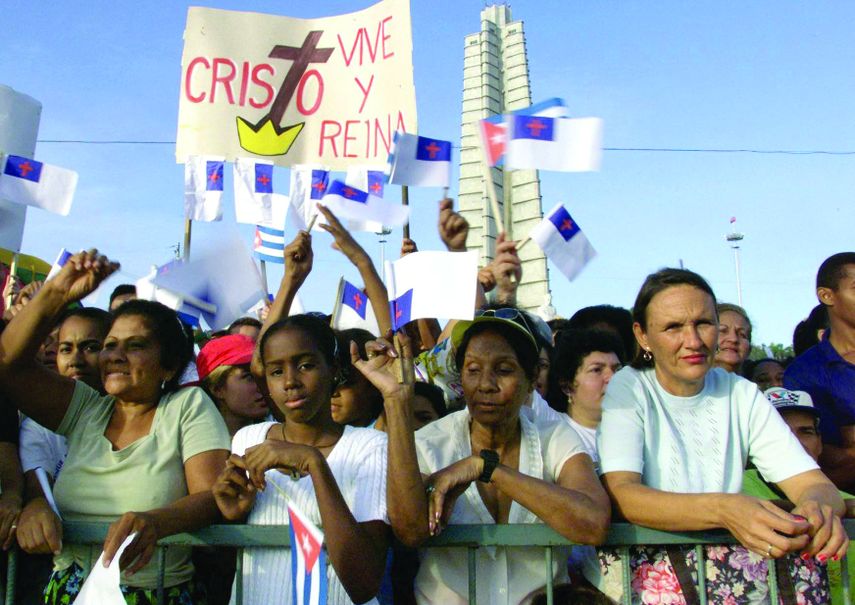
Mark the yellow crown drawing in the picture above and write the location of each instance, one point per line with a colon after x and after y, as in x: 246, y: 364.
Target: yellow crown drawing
x: 266, y: 138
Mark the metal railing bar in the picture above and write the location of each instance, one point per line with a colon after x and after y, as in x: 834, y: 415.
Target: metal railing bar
x: 844, y: 580
x: 772, y: 579
x: 700, y: 559
x: 239, y: 577
x: 473, y: 572
x: 161, y: 573
x: 550, y: 589
x: 626, y: 574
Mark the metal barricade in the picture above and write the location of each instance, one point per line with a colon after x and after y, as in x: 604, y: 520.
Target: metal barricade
x: 470, y: 537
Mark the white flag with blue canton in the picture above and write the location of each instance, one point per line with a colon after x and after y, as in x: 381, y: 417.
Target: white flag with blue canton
x: 432, y: 284
x: 563, y: 242
x: 308, y: 560
x: 59, y: 263
x: 419, y: 161
x: 32, y: 183
x: 253, y: 184
x: 361, y: 210
x: 352, y: 309
x: 308, y: 185
x: 494, y: 130
x: 367, y: 178
x: 562, y: 144
x: 203, y: 188
x: 269, y: 244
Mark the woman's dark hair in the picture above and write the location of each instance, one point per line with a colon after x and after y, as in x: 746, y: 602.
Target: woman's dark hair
x: 572, y: 348
x: 101, y: 318
x: 318, y: 330
x: 176, y: 346
x: 607, y: 317
x: 526, y: 352
x: 804, y: 336
x: 653, y: 285
x: 360, y: 337
x: 434, y: 394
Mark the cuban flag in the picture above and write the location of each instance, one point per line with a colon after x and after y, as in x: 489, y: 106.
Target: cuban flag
x: 26, y: 181
x: 308, y: 186
x: 419, y: 161
x: 203, y: 188
x: 308, y: 560
x: 361, y: 210
x: 494, y: 130
x: 59, y: 263
x: 253, y: 185
x: 372, y: 180
x: 563, y: 242
x: 562, y: 144
x: 432, y: 284
x: 352, y: 309
x: 269, y: 244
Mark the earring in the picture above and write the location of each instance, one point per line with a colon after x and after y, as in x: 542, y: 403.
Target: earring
x: 163, y: 386
x: 647, y: 355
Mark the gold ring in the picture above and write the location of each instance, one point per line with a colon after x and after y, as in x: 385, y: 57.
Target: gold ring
x: 429, y: 490
x: 769, y: 551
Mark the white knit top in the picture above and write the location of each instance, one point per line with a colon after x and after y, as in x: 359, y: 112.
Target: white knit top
x: 358, y: 463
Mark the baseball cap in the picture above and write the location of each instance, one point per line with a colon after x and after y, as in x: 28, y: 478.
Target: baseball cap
x: 231, y: 350
x: 785, y: 399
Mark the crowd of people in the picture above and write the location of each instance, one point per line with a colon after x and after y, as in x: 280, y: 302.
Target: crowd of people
x: 654, y: 416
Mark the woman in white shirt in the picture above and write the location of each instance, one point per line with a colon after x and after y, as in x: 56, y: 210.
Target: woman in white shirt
x: 485, y: 464
x: 675, y: 436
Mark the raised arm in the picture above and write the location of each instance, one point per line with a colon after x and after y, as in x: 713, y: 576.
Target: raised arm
x: 394, y: 377
x: 355, y: 253
x: 298, y: 264
x: 36, y: 391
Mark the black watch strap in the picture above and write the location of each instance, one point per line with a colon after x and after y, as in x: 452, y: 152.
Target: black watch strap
x: 491, y: 460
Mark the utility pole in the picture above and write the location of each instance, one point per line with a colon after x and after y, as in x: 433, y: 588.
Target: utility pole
x: 734, y: 237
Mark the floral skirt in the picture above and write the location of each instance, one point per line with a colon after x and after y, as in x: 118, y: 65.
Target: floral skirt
x: 734, y: 575
x: 64, y: 585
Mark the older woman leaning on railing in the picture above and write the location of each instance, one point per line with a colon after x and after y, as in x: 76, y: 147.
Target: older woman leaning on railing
x: 485, y: 464
x: 673, y: 443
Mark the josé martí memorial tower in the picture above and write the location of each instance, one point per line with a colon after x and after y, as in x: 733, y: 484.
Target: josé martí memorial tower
x: 495, y: 81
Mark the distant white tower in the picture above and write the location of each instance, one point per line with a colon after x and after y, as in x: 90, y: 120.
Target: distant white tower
x: 495, y: 81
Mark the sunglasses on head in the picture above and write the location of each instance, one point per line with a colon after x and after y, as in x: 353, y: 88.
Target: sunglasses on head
x: 520, y: 318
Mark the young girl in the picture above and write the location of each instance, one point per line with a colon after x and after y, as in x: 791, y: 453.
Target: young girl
x: 342, y: 469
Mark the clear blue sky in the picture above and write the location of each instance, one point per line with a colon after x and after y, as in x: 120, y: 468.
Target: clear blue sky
x: 724, y: 74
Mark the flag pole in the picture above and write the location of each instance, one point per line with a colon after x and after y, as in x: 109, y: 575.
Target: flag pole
x: 13, y: 269
x: 405, y: 200
x: 523, y: 242
x: 188, y: 225
x: 491, y: 192
x: 263, y: 266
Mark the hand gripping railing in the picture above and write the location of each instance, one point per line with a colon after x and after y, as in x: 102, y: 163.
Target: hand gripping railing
x: 470, y: 537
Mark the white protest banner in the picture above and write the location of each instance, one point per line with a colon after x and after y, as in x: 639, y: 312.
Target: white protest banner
x: 331, y: 91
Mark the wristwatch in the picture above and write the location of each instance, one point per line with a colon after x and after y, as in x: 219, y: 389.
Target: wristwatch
x: 491, y: 459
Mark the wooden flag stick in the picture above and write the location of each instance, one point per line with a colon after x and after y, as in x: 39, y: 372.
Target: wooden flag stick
x: 263, y: 266
x: 13, y: 269
x: 523, y: 242
x: 491, y: 193
x: 188, y: 226
x: 405, y: 200
x: 312, y: 223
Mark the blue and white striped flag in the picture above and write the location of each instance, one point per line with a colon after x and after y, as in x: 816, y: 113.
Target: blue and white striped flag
x: 269, y: 244
x: 308, y: 560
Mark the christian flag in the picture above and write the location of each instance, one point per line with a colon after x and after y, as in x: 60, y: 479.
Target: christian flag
x: 362, y: 210
x: 253, y: 182
x: 372, y: 180
x: 26, y: 181
x: 308, y: 560
x: 269, y: 244
x: 353, y: 309
x: 308, y: 186
x: 203, y: 188
x: 432, y: 284
x: 562, y: 144
x: 563, y: 242
x: 494, y: 130
x: 419, y: 161
x: 59, y: 263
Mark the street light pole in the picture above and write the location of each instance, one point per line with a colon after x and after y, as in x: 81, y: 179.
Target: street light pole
x: 734, y: 237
